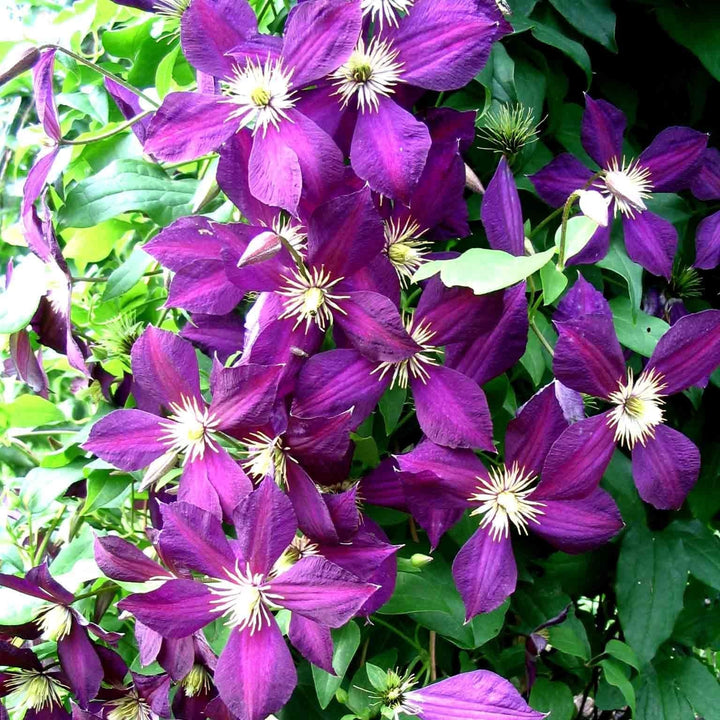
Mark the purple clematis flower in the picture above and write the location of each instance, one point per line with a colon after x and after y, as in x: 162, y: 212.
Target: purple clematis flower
x: 706, y: 186
x: 221, y: 335
x: 588, y: 358
x: 255, y: 674
x: 174, y: 420
x: 260, y: 79
x: 666, y: 165
x: 565, y: 507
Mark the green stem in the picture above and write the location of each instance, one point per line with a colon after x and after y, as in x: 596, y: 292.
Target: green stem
x: 102, y: 279
x: 541, y: 337
x: 544, y: 223
x: 51, y: 529
x: 115, y: 131
x: 402, y: 635
x: 567, y: 208
x: 93, y: 593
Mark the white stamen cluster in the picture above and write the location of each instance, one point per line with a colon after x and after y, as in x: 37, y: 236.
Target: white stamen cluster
x: 55, y: 621
x: 301, y: 547
x: 293, y: 233
x: 309, y: 298
x: 629, y: 184
x: 382, y: 11
x: 638, y: 408
x: 33, y: 690
x: 415, y: 366
x: 404, y: 248
x: 262, y: 93
x: 130, y: 707
x: 171, y: 8
x: 503, y: 499
x: 266, y: 456
x: 244, y: 598
x: 189, y: 428
x: 368, y: 74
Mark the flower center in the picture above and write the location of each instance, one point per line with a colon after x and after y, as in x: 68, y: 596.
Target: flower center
x: 131, y: 707
x: 197, y: 681
x: 415, y: 366
x: 266, y: 456
x: 309, y: 298
x: 301, y: 547
x: 368, y: 73
x: 262, y: 93
x: 382, y: 11
x: 32, y: 690
x: 244, y: 599
x: 55, y: 621
x: 638, y: 408
x: 503, y: 499
x: 404, y: 248
x: 188, y: 429
x: 628, y: 184
x: 290, y: 231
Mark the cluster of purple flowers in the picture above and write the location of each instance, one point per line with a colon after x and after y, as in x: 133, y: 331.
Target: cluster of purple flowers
x: 343, y: 192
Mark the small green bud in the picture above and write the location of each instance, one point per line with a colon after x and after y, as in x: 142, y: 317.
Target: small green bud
x: 420, y: 561
x: 341, y: 696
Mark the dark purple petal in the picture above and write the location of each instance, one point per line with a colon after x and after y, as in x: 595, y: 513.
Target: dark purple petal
x: 44, y: 97
x: 689, y: 352
x: 226, y: 478
x: 129, y: 439
x: 673, y: 158
x: 40, y: 576
x: 216, y: 335
x: 477, y: 695
x: 313, y: 641
x: 319, y: 37
x: 23, y: 585
x: 596, y: 249
x: 382, y: 486
x: 501, y: 212
x: 582, y: 299
x: 588, y: 357
x: 560, y: 178
x: 576, y: 526
x: 204, y: 287
x: 666, y: 468
x: 13, y: 656
x: 485, y: 572
x: 129, y: 105
x: 706, y: 183
x: 318, y: 442
x: 651, y: 241
x: 154, y: 689
x: 707, y: 243
x: 389, y: 149
x: 577, y: 460
x: 445, y: 45
x: 321, y: 591
x: 175, y: 610
x: 312, y: 513
x: 452, y: 410
x: 265, y: 524
x: 121, y: 560
x: 255, y: 673
x: 531, y: 434
x: 188, y: 125
x: 603, y: 127
x: 80, y: 663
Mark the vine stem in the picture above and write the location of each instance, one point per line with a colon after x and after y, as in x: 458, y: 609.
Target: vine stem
x: 544, y: 222
x: 541, y: 337
x: 110, y: 133
x: 563, y: 231
x: 102, y: 279
x: 401, y: 634
x: 51, y: 529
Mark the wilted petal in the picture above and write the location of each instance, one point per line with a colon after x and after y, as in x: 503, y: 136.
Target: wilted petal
x: 673, y: 158
x: 666, y: 468
x: 44, y: 96
x: 121, y: 560
x: 603, y: 127
x: 560, y: 178
x: 501, y: 212
x: 651, y: 241
x: 707, y: 243
x: 313, y: 641
x: 81, y: 664
x: 485, y: 572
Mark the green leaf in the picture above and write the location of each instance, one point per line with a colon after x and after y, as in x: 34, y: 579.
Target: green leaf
x: 75, y: 563
x: 483, y: 270
x: 699, y: 686
x: 102, y: 488
x: 578, y: 231
x: 635, y: 329
x: 42, y: 486
x: 391, y: 405
x: 553, y: 697
x: 702, y: 550
x: 123, y: 186
x: 618, y: 262
x: 16, y: 608
x: 553, y: 282
x: 124, y: 278
x: 87, y: 245
x: 623, y: 652
x: 570, y: 637
x: 593, y: 18
x: 377, y: 676
x: 651, y: 579
x: 618, y: 481
x: 30, y: 411
x: 658, y: 698
x: 615, y: 675
x: 346, y: 640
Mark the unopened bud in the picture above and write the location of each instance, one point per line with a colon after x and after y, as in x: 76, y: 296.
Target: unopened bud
x: 158, y: 468
x: 472, y: 181
x: 19, y: 65
x: 419, y: 560
x: 341, y: 696
x: 593, y: 205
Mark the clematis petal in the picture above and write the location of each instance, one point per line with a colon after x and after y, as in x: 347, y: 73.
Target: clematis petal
x: 560, y: 178
x: 313, y: 641
x: 674, y: 158
x: 666, y: 468
x: 485, y: 572
x: 80, y: 663
x: 501, y: 212
x: 226, y: 478
x: 204, y: 287
x: 129, y: 105
x: 689, y: 352
x: 121, y: 560
x: 582, y: 299
x: 389, y: 149
x: 274, y: 173
x: 651, y: 241
x: 313, y: 516
x: 707, y: 243
x: 220, y: 335
x: 706, y: 183
x: 577, y: 526
x: 255, y: 674
x: 603, y: 127
x: 596, y: 249
x: 320, y: 442
x: 44, y: 97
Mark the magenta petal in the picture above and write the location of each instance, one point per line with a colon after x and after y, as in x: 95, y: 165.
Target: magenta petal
x: 477, y: 695
x: 582, y: 299
x: 372, y: 323
x: 485, y: 572
x: 255, y: 673
x: 501, y: 212
x: 576, y: 526
x: 204, y: 287
x: 319, y: 37
x: 452, y: 410
x: 81, y: 664
x: 666, y: 468
x: 707, y: 243
x: 603, y: 127
x: 189, y: 125
x: 321, y: 591
x: 121, y: 560
x: 129, y: 439
x: 196, y: 489
x: 194, y: 540
x: 44, y: 96
x: 577, y: 460
x: 265, y: 524
x: 389, y: 149
x: 560, y: 178
x: 689, y: 352
x: 220, y: 335
x: 227, y: 479
x: 651, y: 241
x: 588, y: 357
x: 319, y: 440
x: 313, y: 641
x: 674, y: 158
x: 531, y: 434
x: 175, y: 610
x: 313, y: 516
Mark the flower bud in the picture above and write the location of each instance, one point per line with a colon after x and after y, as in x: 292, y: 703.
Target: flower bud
x: 593, y: 205
x: 25, y: 61
x: 419, y: 560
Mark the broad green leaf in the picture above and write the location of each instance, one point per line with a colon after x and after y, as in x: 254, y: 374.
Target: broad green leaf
x: 123, y: 186
x: 42, y: 486
x: 702, y: 550
x: 30, y: 411
x: 593, y: 18
x: 623, y: 652
x: 93, y: 244
x: 346, y: 640
x: 124, y: 278
x: 553, y: 697
x: 484, y: 271
x: 635, y: 329
x: 618, y: 262
x: 570, y: 637
x: 377, y: 676
x: 615, y: 675
x: 659, y: 698
x: 699, y: 686
x: 578, y: 232
x: 651, y: 579
x: 164, y: 74
x: 553, y: 282
x: 618, y: 481
x: 102, y: 488
x: 75, y: 563
x: 391, y: 405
